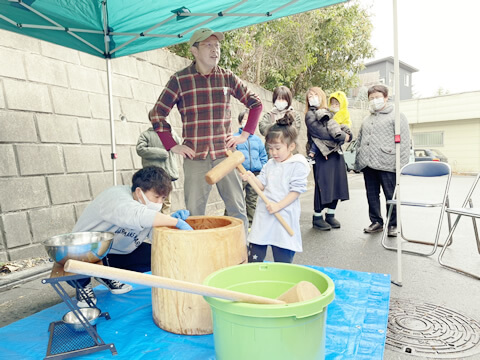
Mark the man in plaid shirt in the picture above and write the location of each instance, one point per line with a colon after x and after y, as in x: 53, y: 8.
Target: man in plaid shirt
x: 202, y: 93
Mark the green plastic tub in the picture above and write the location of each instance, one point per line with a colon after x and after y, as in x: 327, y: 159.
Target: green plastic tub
x: 244, y: 331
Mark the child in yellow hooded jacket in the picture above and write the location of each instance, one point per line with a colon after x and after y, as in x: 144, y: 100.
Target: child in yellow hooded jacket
x: 338, y: 104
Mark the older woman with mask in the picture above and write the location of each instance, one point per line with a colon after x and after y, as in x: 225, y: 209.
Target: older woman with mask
x: 376, y: 155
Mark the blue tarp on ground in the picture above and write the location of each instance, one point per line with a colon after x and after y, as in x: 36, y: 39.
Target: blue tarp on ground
x: 356, y: 325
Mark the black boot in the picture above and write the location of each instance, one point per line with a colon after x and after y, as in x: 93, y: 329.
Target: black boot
x: 334, y: 223
x: 320, y: 224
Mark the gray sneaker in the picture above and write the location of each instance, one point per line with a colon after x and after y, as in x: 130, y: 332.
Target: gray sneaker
x: 84, y: 294
x: 115, y: 287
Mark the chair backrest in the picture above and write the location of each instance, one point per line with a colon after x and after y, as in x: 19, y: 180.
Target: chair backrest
x: 426, y: 169
x: 423, y: 181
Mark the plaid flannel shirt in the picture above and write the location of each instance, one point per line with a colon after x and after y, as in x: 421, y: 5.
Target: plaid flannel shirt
x: 204, y: 106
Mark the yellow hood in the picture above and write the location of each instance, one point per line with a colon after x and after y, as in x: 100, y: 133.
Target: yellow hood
x: 342, y: 116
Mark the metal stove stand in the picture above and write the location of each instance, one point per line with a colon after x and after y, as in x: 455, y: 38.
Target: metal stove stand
x: 64, y: 342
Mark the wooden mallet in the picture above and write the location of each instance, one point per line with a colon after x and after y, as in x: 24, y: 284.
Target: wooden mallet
x: 302, y: 291
x: 235, y: 160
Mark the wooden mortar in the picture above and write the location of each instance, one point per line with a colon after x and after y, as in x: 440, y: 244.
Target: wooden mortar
x: 217, y: 242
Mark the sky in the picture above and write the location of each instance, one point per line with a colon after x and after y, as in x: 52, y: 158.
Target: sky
x: 440, y: 38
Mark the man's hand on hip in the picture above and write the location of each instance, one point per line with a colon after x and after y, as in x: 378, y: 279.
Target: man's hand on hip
x: 183, y: 150
x: 233, y: 141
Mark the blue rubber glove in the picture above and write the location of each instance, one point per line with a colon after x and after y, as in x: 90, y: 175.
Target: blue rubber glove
x: 182, y: 225
x: 181, y: 214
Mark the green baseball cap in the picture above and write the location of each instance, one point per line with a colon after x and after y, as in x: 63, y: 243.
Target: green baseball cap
x: 203, y: 34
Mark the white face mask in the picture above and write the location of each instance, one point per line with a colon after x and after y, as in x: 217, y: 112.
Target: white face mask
x: 281, y: 104
x: 150, y: 204
x: 377, y: 104
x: 334, y: 109
x: 313, y: 101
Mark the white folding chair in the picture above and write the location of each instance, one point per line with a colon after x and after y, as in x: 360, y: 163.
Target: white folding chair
x: 426, y: 196
x: 470, y: 211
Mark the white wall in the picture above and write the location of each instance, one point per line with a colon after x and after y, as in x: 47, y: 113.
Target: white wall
x: 451, y: 107
x: 458, y: 117
x: 461, y: 143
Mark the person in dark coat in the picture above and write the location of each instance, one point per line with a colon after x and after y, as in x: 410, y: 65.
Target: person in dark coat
x: 324, y: 138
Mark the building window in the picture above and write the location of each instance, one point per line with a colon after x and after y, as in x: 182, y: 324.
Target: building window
x: 406, y: 80
x: 430, y: 139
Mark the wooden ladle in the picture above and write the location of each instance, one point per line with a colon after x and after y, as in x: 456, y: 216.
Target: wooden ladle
x: 302, y: 291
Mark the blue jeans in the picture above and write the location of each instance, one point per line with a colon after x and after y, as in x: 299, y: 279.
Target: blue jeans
x: 138, y: 260
x: 257, y: 253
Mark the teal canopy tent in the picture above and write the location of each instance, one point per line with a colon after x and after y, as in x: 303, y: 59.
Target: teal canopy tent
x: 115, y: 28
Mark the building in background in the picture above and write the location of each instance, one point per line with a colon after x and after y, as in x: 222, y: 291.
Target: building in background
x: 450, y: 124
x: 381, y: 71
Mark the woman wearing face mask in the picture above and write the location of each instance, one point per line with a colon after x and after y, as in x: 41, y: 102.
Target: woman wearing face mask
x: 282, y: 102
x: 324, y: 139
x: 376, y: 155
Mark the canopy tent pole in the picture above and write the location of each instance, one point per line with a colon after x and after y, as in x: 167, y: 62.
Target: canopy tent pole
x: 106, y: 41
x: 396, y: 69
x: 113, y: 154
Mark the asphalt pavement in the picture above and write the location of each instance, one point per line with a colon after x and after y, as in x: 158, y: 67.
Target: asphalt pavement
x: 423, y: 279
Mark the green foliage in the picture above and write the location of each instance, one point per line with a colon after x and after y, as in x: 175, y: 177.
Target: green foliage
x: 322, y: 48
x: 182, y: 50
x: 342, y: 35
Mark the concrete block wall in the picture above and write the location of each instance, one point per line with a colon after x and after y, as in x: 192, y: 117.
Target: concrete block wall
x: 55, y: 134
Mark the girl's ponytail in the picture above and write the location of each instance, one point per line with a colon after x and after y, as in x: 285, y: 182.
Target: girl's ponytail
x: 283, y: 130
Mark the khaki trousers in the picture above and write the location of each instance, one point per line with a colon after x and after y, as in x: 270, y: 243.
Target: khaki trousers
x: 197, y: 189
